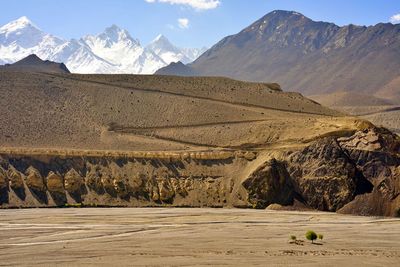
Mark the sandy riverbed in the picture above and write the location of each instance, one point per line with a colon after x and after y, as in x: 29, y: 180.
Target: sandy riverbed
x: 182, y: 237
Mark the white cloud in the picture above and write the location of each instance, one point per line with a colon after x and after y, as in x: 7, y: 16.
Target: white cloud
x: 183, y: 23
x: 196, y: 4
x: 395, y: 19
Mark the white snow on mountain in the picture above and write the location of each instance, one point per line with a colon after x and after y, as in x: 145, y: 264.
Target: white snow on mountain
x: 21, y: 38
x: 162, y: 47
x: 21, y: 31
x: 193, y: 53
x: 113, y: 51
x: 80, y: 59
x: 170, y: 53
x: 114, y: 45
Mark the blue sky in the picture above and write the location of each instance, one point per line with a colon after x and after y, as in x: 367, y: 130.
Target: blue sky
x: 188, y: 23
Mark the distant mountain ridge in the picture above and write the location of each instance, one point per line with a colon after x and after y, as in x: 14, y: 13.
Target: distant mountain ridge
x: 308, y: 56
x: 112, y: 51
x: 178, y: 69
x: 33, y: 63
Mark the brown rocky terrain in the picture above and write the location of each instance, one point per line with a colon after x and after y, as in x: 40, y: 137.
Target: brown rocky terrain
x: 340, y: 67
x: 128, y: 140
x: 311, y: 57
x: 177, y: 68
x: 382, y: 112
x: 35, y: 64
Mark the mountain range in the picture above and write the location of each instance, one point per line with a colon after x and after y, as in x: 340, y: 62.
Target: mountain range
x: 307, y: 56
x: 112, y: 51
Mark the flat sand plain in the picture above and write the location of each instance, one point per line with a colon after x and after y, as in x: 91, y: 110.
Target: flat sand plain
x: 193, y: 237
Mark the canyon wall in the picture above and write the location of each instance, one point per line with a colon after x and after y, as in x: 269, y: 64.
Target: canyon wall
x: 356, y: 174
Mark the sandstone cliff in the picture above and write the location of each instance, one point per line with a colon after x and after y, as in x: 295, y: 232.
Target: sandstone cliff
x: 356, y: 174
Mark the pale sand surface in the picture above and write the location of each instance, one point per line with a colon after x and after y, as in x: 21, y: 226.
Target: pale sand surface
x: 200, y: 237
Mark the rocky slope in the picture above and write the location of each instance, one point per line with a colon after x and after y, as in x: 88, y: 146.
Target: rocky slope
x: 352, y: 68
x: 178, y: 69
x: 308, y: 56
x: 126, y: 140
x: 33, y: 63
x: 356, y: 174
x: 381, y: 112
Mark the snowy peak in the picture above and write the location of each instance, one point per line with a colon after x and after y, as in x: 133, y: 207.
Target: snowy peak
x: 161, y: 41
x: 22, y: 31
x: 161, y: 44
x: 115, y: 34
x: 115, y: 45
x: 160, y: 37
x: 193, y: 53
x: 18, y: 24
x: 111, y: 51
x: 170, y: 53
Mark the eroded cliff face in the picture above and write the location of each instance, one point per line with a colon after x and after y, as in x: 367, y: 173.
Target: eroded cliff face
x: 359, y: 174
x: 203, y: 179
x: 376, y: 154
x: 324, y: 175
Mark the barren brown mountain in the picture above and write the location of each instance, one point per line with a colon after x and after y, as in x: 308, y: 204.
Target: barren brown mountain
x: 341, y: 67
x: 34, y: 63
x: 129, y: 140
x: 308, y: 56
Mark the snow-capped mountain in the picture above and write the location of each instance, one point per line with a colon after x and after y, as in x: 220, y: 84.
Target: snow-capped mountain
x: 21, y: 38
x: 116, y: 46
x: 162, y: 47
x: 193, y: 53
x: 112, y: 51
x: 78, y: 58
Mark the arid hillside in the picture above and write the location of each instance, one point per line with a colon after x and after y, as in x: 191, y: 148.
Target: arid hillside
x: 129, y: 140
x: 341, y: 67
x: 381, y: 112
x: 128, y: 112
x: 34, y: 63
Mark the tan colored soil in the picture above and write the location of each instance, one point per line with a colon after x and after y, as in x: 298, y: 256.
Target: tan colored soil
x: 193, y: 237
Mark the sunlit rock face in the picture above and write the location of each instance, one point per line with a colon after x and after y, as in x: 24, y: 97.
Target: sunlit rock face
x: 350, y: 174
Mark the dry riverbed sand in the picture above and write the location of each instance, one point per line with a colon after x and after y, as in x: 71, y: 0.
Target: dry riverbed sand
x: 201, y: 237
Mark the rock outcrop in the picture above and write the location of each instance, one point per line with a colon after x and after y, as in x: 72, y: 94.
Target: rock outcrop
x: 356, y: 174
x: 3, y: 179
x: 33, y: 63
x: 55, y: 183
x: 376, y: 153
x: 325, y: 176
x: 73, y: 184
x: 270, y: 183
x: 16, y: 182
x: 3, y: 186
x: 34, y: 180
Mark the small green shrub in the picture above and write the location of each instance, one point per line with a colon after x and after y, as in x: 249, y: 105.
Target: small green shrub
x: 320, y: 236
x: 311, y: 235
x: 293, y: 237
